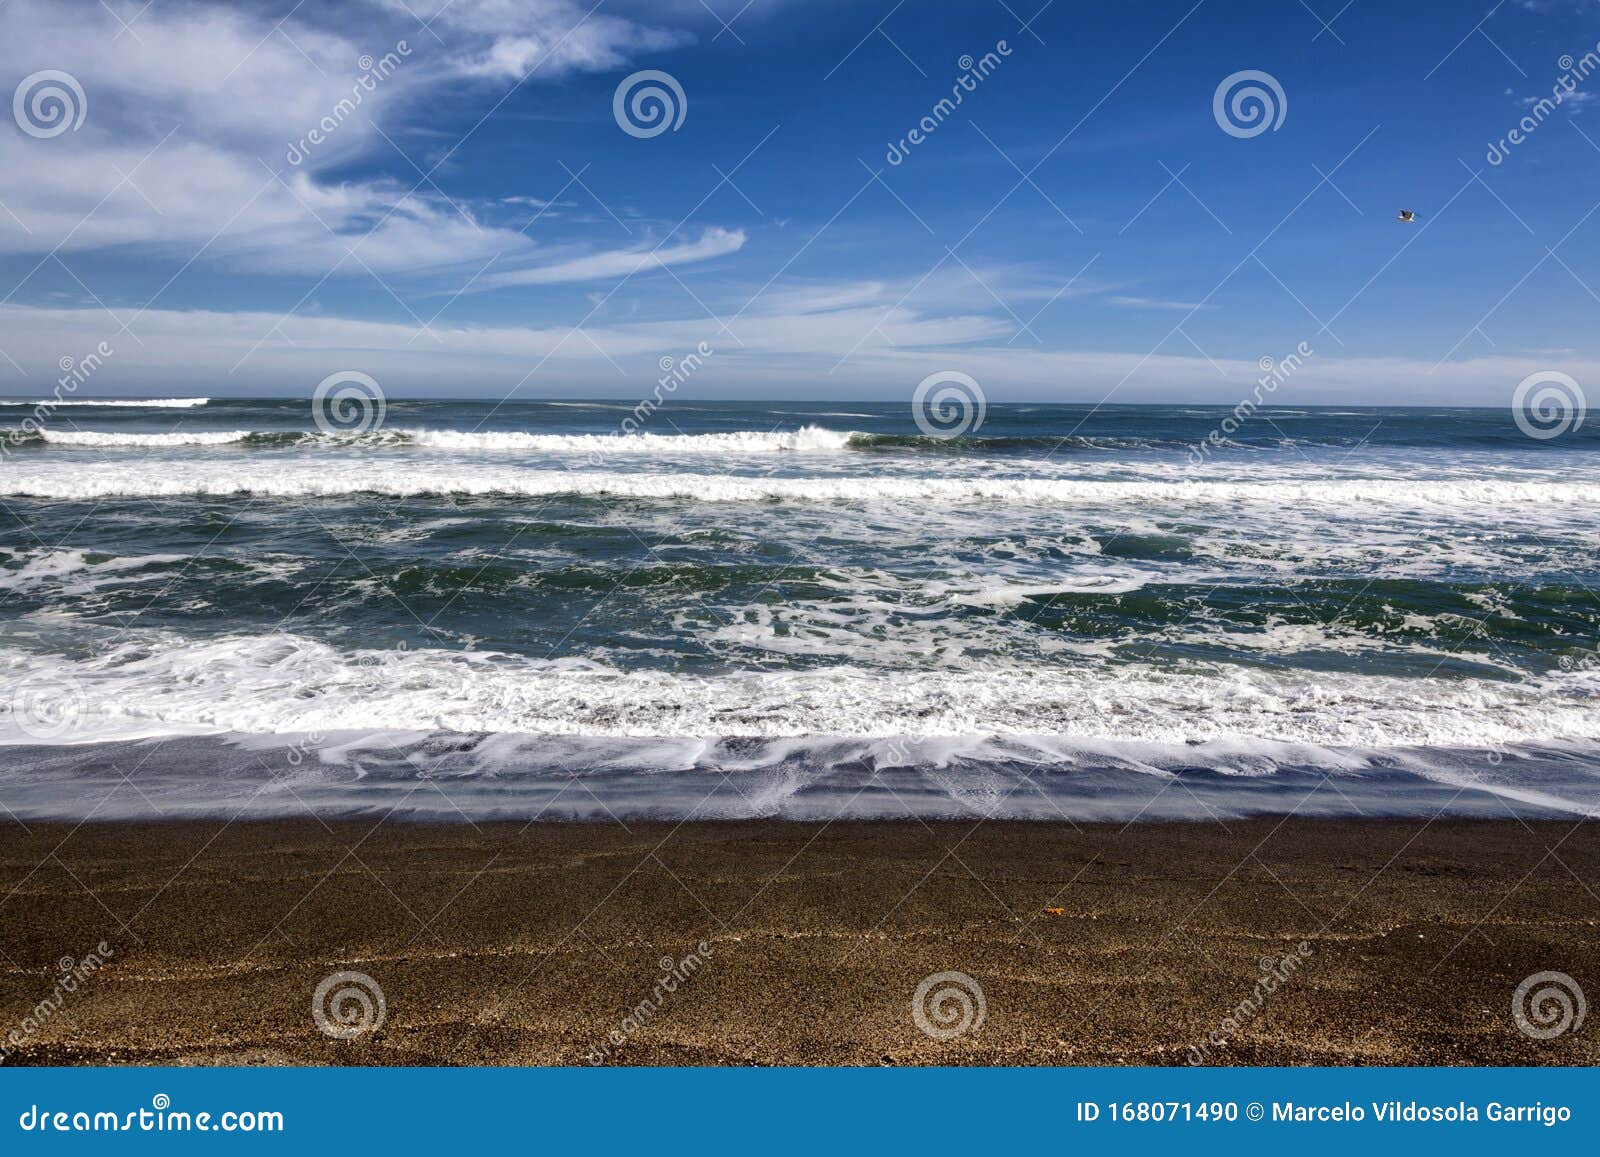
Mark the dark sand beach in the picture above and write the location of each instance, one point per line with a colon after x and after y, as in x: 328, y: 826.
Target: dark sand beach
x: 512, y: 944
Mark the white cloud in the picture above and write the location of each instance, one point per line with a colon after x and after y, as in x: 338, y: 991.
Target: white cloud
x: 512, y: 38
x: 1574, y: 102
x: 828, y: 353
x: 1158, y: 303
x: 193, y: 111
x: 621, y: 262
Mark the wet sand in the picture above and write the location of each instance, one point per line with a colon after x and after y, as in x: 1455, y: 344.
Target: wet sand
x: 545, y: 944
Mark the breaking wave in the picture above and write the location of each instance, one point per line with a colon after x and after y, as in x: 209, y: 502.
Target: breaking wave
x: 161, y: 683
x: 335, y: 476
x: 110, y: 403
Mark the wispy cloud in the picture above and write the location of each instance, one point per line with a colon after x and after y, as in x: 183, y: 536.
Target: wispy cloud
x: 1158, y: 303
x: 509, y: 39
x: 198, y: 145
x: 1574, y: 102
x: 711, y: 243
x: 839, y: 352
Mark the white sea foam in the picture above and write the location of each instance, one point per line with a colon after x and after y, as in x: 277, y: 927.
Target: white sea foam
x: 1002, y: 594
x: 343, y: 474
x: 139, y: 403
x: 157, y: 683
x: 381, y: 774
x: 808, y: 439
x: 133, y: 438
x: 71, y: 572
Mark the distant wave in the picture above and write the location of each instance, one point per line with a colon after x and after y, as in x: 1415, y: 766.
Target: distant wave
x: 805, y: 440
x: 808, y: 439
x: 178, y: 438
x: 144, y: 403
x: 301, y: 478
x: 1009, y: 442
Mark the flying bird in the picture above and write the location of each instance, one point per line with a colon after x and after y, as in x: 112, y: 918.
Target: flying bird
x: 1407, y: 216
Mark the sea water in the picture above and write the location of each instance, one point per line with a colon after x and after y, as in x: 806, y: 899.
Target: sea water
x: 727, y: 609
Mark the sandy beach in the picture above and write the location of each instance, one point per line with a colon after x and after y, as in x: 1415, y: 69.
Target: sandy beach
x: 1390, y: 942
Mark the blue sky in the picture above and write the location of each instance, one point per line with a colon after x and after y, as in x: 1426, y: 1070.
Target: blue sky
x: 1081, y: 227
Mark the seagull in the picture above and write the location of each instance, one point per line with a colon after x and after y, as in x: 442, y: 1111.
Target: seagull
x: 1407, y: 216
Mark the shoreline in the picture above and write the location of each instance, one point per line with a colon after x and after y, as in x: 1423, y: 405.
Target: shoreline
x: 431, y: 775
x: 1390, y: 941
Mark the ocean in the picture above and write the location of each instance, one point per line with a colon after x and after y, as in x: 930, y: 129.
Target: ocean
x: 566, y: 610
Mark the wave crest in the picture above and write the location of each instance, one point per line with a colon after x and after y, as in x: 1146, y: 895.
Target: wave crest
x: 336, y: 477
x: 807, y: 439
x: 110, y: 403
